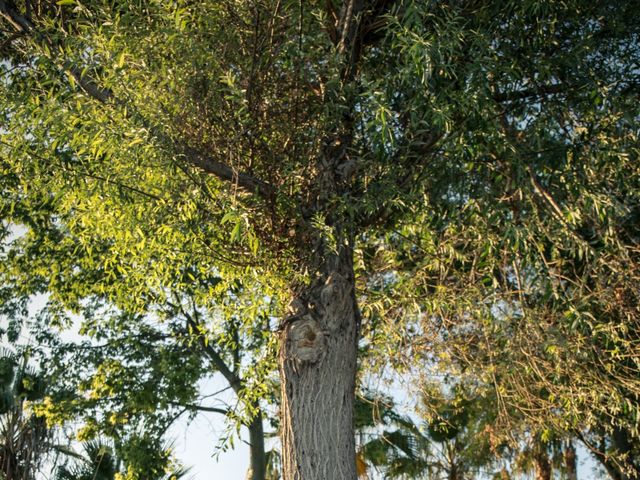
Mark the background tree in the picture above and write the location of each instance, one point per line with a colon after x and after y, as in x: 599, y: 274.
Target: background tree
x: 388, y: 442
x: 141, y: 373
x: 514, y: 277
x: 448, y: 436
x: 139, y: 457
x: 25, y: 440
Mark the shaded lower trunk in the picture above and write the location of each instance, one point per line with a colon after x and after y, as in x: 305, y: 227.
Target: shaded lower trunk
x: 626, y: 448
x: 453, y: 473
x: 317, y: 364
x: 615, y: 470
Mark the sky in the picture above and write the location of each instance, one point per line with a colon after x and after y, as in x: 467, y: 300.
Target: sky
x: 195, y: 445
x: 196, y: 441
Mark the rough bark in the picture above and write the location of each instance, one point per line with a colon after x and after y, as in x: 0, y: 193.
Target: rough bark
x: 318, y: 366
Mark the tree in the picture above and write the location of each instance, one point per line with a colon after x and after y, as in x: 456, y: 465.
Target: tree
x: 389, y: 442
x: 452, y: 439
x: 135, y: 374
x: 314, y: 130
x: 139, y: 457
x: 25, y: 440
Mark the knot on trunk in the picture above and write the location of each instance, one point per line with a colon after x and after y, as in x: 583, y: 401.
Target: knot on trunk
x: 307, y: 341
x: 336, y: 301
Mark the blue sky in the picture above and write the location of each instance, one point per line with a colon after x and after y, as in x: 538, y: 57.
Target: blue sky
x: 195, y: 445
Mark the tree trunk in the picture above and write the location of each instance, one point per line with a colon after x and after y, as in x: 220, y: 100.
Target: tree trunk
x: 317, y: 364
x: 504, y: 474
x: 570, y: 462
x: 621, y: 440
x: 452, y: 473
x: 257, y: 455
x: 541, y: 465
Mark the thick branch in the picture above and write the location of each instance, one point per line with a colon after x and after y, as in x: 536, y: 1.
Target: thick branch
x: 25, y: 26
x: 224, y: 172
x: 89, y: 86
x: 234, y: 381
x: 18, y: 21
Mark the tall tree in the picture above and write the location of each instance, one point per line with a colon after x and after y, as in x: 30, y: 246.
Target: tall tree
x: 274, y: 141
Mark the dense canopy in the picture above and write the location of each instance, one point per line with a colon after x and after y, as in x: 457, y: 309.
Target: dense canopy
x: 446, y: 187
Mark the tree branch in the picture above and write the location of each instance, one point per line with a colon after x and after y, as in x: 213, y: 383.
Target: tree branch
x: 18, y: 21
x: 224, y: 172
x: 201, y: 408
x: 90, y: 87
x: 234, y: 381
x: 541, y: 91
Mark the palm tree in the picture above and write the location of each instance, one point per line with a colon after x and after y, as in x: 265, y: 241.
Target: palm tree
x: 450, y: 444
x: 97, y: 463
x: 388, y: 441
x: 101, y: 461
x: 547, y: 456
x: 23, y: 435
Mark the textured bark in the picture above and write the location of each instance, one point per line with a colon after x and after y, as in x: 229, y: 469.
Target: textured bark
x: 317, y: 367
